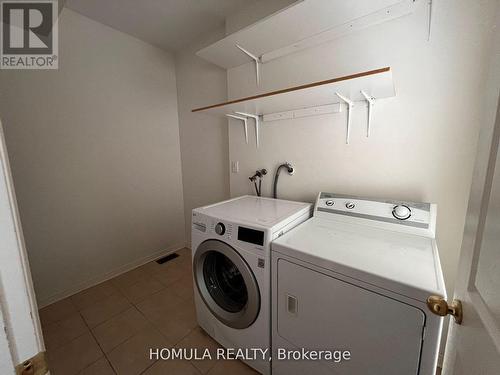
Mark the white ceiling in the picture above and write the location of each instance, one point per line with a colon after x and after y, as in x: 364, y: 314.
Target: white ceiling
x: 168, y: 24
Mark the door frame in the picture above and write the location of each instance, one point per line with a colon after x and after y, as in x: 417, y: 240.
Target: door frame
x: 473, y: 293
x: 19, y: 309
x: 476, y: 343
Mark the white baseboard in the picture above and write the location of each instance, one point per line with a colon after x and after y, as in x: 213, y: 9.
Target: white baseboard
x: 109, y: 275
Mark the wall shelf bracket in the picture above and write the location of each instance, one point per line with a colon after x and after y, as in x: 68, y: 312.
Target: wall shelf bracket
x: 429, y: 20
x: 350, y: 105
x: 317, y: 98
x: 257, y: 119
x: 370, y: 100
x: 257, y: 61
x: 245, y: 123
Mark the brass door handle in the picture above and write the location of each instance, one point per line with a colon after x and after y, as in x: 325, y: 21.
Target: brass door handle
x: 440, y: 307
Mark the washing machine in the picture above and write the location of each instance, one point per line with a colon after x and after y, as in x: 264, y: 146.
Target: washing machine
x: 232, y: 269
x: 354, y: 280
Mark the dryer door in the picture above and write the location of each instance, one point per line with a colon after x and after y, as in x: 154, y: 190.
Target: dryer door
x: 316, y: 311
x: 226, y: 284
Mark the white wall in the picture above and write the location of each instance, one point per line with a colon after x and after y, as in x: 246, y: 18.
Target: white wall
x: 94, y: 150
x: 204, y: 139
x: 423, y: 141
x: 254, y: 12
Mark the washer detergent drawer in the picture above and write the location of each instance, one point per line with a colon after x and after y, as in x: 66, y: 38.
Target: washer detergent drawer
x: 319, y: 312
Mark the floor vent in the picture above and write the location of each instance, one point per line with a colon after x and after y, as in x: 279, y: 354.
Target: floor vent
x: 167, y: 258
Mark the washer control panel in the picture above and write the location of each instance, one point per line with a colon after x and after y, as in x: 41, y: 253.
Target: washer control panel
x: 220, y: 229
x: 204, y: 224
x: 226, y: 231
x: 410, y: 217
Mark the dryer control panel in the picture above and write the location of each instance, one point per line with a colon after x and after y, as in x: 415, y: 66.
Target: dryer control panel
x: 401, y: 216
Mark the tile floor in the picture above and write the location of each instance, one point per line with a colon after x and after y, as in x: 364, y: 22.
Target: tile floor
x: 109, y: 328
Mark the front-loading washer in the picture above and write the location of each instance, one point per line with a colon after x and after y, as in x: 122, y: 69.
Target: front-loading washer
x: 355, y: 279
x: 232, y: 269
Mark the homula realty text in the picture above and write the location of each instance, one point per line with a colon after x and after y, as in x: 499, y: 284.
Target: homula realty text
x: 248, y: 354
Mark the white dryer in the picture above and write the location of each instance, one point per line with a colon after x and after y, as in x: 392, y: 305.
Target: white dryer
x: 232, y: 268
x: 356, y: 277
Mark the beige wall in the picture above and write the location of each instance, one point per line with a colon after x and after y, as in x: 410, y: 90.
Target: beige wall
x: 423, y: 141
x: 94, y: 150
x: 204, y: 139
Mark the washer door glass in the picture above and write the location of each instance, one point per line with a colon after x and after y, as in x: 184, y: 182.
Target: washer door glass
x: 226, y: 284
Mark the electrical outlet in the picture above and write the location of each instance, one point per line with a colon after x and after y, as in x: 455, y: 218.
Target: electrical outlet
x: 235, y: 166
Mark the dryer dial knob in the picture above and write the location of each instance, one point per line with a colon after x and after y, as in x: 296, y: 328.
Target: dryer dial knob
x: 401, y: 212
x: 220, y: 229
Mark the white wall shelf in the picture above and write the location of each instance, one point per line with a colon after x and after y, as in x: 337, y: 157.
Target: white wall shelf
x: 291, y: 29
x: 312, y: 99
